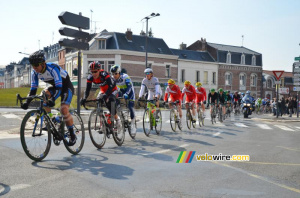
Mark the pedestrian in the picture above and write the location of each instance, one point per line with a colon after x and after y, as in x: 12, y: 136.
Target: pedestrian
x: 282, y: 106
x: 290, y: 106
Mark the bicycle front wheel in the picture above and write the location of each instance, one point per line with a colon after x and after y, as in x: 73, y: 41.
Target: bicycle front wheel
x: 119, y: 132
x: 158, y: 122
x: 188, y: 119
x: 35, y: 141
x: 173, y: 120
x: 97, y: 129
x: 78, y: 128
x: 131, y: 127
x: 147, y: 124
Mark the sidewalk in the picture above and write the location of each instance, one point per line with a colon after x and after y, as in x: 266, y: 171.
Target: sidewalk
x: 272, y: 118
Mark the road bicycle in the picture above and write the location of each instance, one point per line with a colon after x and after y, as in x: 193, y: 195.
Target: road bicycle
x: 174, y: 116
x: 101, y: 125
x: 151, y: 118
x: 189, y: 117
x: 37, y: 129
x: 200, y: 115
x: 228, y: 110
x: 124, y: 112
x: 221, y: 117
x: 213, y: 113
x: 237, y: 108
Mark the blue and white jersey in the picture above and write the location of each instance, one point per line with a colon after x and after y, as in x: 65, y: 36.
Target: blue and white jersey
x: 125, y: 86
x: 248, y: 98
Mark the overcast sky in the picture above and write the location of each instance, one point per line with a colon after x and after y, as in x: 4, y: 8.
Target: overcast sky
x: 269, y: 27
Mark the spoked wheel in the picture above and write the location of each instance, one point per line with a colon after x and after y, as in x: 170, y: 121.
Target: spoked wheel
x: 119, y: 132
x: 158, y: 122
x: 173, y: 119
x: 189, y: 119
x: 199, y: 118
x: 212, y: 118
x: 37, y: 147
x: 202, y: 118
x: 131, y: 127
x: 78, y: 128
x: 147, y: 124
x: 221, y: 115
x: 97, y: 129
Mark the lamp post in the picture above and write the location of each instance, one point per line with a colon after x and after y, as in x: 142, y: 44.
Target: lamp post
x: 146, y: 45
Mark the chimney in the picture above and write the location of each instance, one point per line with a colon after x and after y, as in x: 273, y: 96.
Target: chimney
x: 128, y: 34
x: 143, y: 33
x: 203, y: 44
x: 182, y: 46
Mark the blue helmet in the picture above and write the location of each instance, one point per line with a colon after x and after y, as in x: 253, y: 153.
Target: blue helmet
x: 242, y: 93
x: 248, y: 92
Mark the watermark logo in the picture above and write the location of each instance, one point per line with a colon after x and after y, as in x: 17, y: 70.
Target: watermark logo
x: 189, y: 157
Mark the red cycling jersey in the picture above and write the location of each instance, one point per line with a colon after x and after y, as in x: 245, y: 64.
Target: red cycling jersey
x: 106, y: 83
x: 190, y: 93
x: 175, y: 93
x: 200, y: 95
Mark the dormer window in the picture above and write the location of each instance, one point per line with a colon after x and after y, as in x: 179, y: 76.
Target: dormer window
x: 160, y: 50
x: 102, y: 44
x: 243, y: 59
x: 253, y: 60
x: 228, y: 59
x: 143, y: 48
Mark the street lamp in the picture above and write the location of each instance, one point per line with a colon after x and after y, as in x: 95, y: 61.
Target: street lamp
x: 24, y: 53
x: 146, y: 45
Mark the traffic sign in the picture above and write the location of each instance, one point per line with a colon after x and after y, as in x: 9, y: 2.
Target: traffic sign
x: 74, y: 20
x: 297, y: 58
x: 296, y: 83
x: 296, y: 79
x: 296, y: 70
x: 296, y: 75
x: 74, y: 33
x: 284, y: 90
x: 296, y: 89
x: 73, y: 44
x: 277, y: 82
x: 278, y: 74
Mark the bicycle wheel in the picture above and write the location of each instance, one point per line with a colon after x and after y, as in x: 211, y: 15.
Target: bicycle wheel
x: 131, y: 127
x: 119, y: 132
x: 202, y: 118
x: 188, y: 119
x: 37, y: 147
x: 199, y: 118
x: 97, y: 129
x: 221, y: 115
x: 158, y: 122
x: 173, y: 120
x: 78, y: 128
x: 147, y: 124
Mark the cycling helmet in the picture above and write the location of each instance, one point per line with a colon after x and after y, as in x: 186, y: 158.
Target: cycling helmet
x: 225, y: 92
x: 236, y: 92
x: 124, y: 71
x: 187, y: 82
x: 220, y: 90
x: 148, y: 70
x: 212, y: 90
x: 171, y: 81
x: 115, y: 69
x: 95, y: 65
x: 248, y: 92
x: 198, y: 84
x: 242, y: 93
x: 37, y: 58
x: 228, y: 91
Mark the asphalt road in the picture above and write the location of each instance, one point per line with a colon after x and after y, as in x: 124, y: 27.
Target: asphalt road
x: 146, y: 167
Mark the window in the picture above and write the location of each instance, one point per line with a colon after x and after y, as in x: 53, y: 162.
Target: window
x: 205, y: 80
x: 197, y: 76
x: 253, y: 60
x: 168, y: 74
x: 228, y: 60
x: 214, y: 75
x: 182, y: 75
x: 243, y: 59
x: 269, y: 83
x: 242, y: 79
x: 110, y: 64
x: 102, y: 64
x: 228, y: 78
x: 253, y: 80
x: 101, y: 44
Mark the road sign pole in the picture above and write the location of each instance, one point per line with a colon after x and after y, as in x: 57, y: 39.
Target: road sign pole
x: 297, y: 104
x: 79, y: 77
x: 277, y: 102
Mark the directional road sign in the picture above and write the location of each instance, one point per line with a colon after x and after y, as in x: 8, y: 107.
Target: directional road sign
x: 296, y: 69
x: 296, y: 89
x: 73, y: 44
x: 297, y: 58
x: 74, y: 20
x: 73, y: 33
x: 296, y: 83
x: 278, y: 74
x: 296, y: 79
x: 296, y: 75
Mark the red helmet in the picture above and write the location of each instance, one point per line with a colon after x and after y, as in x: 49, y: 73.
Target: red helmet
x: 95, y: 65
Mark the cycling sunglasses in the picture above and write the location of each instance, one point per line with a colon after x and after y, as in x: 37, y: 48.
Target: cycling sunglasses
x: 93, y: 72
x: 36, y: 65
x: 147, y: 73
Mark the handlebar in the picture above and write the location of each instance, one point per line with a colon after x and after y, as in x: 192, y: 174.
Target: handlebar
x: 41, y: 97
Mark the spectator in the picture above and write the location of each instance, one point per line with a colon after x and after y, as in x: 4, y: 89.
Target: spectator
x: 282, y: 106
x: 295, y: 105
x: 290, y: 106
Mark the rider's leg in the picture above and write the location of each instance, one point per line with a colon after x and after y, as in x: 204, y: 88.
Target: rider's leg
x: 193, y: 110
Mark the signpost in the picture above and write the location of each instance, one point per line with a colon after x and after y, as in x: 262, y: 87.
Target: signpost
x: 80, y: 42
x: 277, y: 74
x: 297, y: 58
x: 296, y: 72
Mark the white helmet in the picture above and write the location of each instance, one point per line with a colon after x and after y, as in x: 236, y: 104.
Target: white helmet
x: 148, y: 70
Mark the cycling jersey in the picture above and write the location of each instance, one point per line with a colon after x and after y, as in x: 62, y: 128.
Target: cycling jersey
x: 153, y: 88
x: 59, y: 80
x: 190, y: 93
x: 106, y: 83
x: 236, y: 98
x: 125, y: 86
x: 213, y: 98
x: 228, y: 98
x: 175, y: 93
x: 200, y: 95
x: 222, y: 98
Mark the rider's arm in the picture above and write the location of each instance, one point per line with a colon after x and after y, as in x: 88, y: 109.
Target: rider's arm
x: 129, y: 85
x: 111, y: 84
x: 55, y: 72
x: 89, y: 82
x: 142, y: 89
x: 166, y: 94
x: 34, y: 83
x: 204, y: 92
x: 182, y: 93
x: 157, y: 88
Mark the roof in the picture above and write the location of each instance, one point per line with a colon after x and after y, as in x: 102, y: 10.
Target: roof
x: 193, y: 55
x: 231, y: 48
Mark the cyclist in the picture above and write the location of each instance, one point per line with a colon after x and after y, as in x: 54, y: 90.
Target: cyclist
x: 108, y: 91
x: 151, y: 83
x: 236, y: 99
x: 200, y: 97
x: 60, y: 85
x: 175, y: 94
x: 126, y: 89
x: 229, y: 99
x: 212, y: 99
x: 190, y: 92
x: 258, y: 104
x: 222, y: 99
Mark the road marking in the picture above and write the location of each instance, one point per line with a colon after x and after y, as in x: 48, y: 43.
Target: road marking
x: 216, y: 134
x: 167, y: 150
x: 284, y: 128
x: 291, y: 149
x: 19, y: 186
x: 12, y: 116
x: 8, y: 136
x: 259, y: 177
x: 263, y: 126
x: 298, y: 127
x: 220, y: 124
x: 269, y: 163
x: 240, y: 125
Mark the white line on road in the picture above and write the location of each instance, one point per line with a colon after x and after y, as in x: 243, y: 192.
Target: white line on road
x: 19, y: 186
x: 240, y: 125
x: 284, y: 128
x: 216, y: 134
x: 263, y: 126
x: 167, y: 150
x: 12, y: 116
